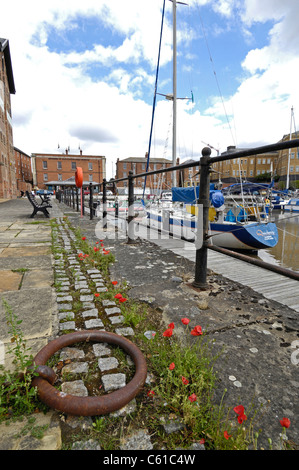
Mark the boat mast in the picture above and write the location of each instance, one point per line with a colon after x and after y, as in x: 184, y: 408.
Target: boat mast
x: 174, y: 92
x: 289, y: 157
x: 174, y: 86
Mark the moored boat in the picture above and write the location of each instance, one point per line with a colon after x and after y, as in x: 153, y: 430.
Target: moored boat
x: 226, y: 229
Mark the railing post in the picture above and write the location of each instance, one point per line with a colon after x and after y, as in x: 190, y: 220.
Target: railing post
x: 77, y: 199
x: 201, y: 260
x: 116, y: 206
x: 131, y: 208
x: 104, y: 203
x: 90, y: 202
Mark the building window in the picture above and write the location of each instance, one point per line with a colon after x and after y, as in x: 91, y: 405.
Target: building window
x: 59, y: 177
x: 74, y: 166
x: 90, y: 166
x: 45, y: 176
x: 124, y: 166
x: 90, y: 177
x: 59, y: 165
x: 45, y: 165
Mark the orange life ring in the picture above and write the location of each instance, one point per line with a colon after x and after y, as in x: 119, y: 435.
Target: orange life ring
x: 79, y: 177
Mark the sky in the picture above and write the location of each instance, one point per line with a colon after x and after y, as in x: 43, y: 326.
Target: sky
x: 85, y: 75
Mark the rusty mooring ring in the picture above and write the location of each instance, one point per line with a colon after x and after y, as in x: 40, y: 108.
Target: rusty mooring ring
x: 87, y: 406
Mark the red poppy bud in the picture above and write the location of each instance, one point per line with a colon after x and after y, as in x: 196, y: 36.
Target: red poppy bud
x: 285, y: 422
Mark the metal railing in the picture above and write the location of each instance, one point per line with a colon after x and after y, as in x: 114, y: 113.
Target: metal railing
x: 204, y: 164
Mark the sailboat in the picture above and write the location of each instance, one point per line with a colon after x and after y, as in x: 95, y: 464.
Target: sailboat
x: 228, y: 230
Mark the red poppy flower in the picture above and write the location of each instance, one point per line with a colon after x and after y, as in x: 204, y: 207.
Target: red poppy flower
x: 171, y: 325
x: 184, y: 380
x: 226, y: 435
x: 168, y: 332
x: 192, y: 397
x: 114, y: 283
x: 122, y: 299
x: 172, y: 366
x: 150, y: 393
x: 102, y: 244
x: 202, y: 441
x: 83, y: 238
x: 185, y: 321
x: 242, y: 418
x: 285, y: 422
x: 197, y: 331
x: 97, y: 295
x: 97, y: 243
x: 118, y: 296
x: 239, y: 409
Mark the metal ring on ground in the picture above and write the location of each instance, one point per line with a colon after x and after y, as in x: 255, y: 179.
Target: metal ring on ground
x: 88, y: 406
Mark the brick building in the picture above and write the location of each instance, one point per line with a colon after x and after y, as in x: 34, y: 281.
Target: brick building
x: 60, y: 167
x: 23, y: 171
x: 138, y: 165
x: 8, y: 185
x: 288, y: 164
x: 247, y: 168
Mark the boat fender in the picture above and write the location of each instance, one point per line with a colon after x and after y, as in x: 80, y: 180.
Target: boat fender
x: 267, y: 201
x: 217, y: 199
x: 79, y: 177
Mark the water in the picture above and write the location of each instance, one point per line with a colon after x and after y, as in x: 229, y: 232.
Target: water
x: 286, y: 252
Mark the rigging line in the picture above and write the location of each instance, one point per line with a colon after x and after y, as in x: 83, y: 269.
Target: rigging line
x: 155, y: 96
x: 215, y: 75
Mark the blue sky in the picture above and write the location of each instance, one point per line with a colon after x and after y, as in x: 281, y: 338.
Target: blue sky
x: 85, y: 71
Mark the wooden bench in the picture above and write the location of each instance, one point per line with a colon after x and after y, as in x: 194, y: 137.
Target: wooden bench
x: 38, y: 207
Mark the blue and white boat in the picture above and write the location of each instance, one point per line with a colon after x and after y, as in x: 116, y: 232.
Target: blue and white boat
x: 292, y: 205
x: 226, y: 230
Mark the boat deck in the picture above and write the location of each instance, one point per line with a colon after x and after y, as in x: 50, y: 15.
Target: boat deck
x: 272, y: 285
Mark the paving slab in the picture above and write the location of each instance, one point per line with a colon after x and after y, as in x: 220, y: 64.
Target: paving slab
x: 10, y: 280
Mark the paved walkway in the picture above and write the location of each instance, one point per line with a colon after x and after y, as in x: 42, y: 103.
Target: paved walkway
x: 258, y: 335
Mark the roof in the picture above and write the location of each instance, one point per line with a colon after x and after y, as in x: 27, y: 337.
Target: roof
x: 144, y: 159
x: 4, y: 47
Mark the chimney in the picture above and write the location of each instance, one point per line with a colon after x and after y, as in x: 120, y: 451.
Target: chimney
x: 66, y: 151
x: 80, y: 152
